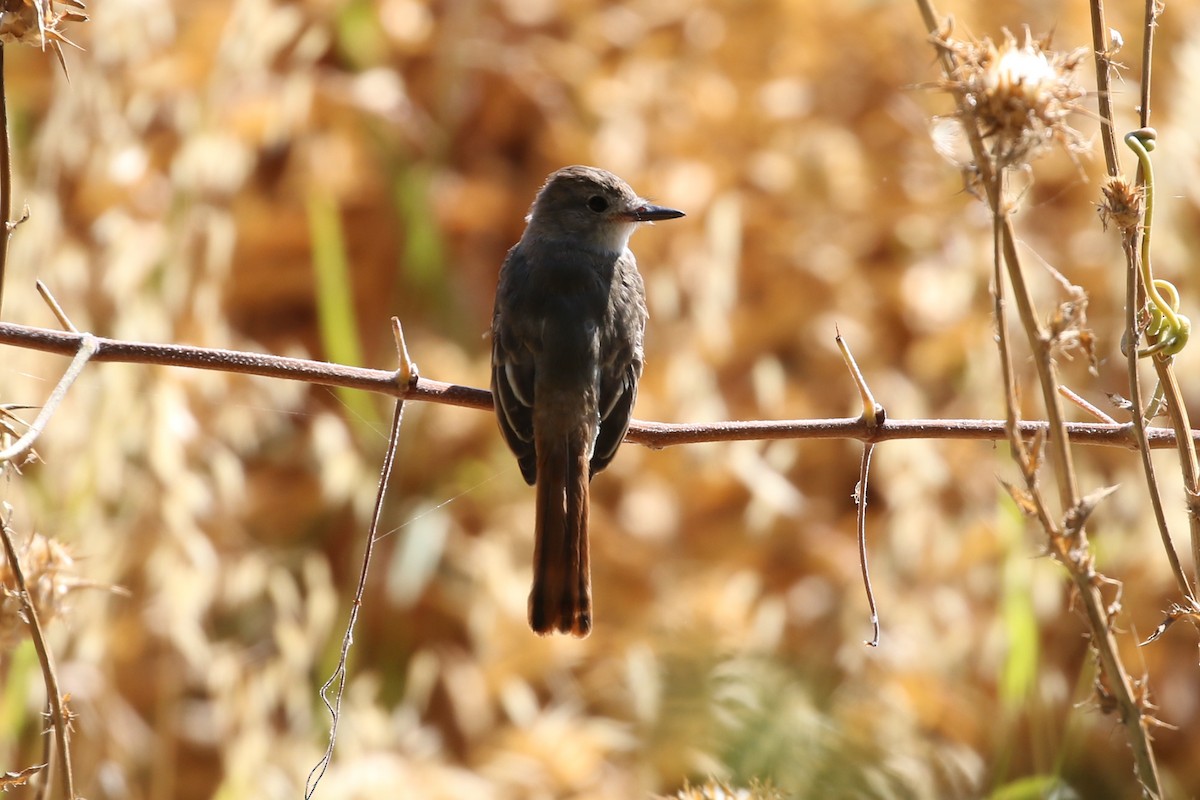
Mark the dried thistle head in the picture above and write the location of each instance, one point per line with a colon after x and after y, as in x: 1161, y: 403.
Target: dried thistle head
x: 1122, y: 204
x: 1019, y: 95
x: 50, y: 576
x: 1068, y: 325
x: 39, y: 22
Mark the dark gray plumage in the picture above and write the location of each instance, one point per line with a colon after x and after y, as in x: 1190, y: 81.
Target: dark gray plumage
x: 567, y: 334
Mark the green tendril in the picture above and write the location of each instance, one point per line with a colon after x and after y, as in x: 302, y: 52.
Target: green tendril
x: 1168, y: 330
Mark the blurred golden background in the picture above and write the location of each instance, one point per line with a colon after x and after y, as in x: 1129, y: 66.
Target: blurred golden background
x: 223, y: 173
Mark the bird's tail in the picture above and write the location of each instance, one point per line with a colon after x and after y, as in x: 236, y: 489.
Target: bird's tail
x: 561, y: 599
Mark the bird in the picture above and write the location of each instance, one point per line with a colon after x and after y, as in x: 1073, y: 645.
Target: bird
x: 567, y: 351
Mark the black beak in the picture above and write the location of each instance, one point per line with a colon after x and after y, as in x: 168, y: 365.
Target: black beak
x: 649, y: 213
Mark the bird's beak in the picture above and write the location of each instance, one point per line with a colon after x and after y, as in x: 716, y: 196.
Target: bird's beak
x: 649, y: 213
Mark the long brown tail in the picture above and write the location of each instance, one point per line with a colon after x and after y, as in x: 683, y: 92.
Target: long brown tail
x: 561, y: 599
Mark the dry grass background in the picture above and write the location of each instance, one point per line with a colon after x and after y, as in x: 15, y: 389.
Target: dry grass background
x: 182, y: 187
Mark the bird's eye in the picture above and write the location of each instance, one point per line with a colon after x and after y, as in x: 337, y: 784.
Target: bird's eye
x: 597, y: 203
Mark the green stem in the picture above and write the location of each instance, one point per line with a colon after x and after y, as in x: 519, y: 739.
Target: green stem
x: 1169, y: 328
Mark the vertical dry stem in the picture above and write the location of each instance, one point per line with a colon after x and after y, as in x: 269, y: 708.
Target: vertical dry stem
x: 1135, y: 297
x: 1135, y: 250
x: 1102, y: 49
x: 1070, y: 550
x: 59, y: 718
x: 5, y: 178
x: 1178, y: 413
x: 1176, y: 408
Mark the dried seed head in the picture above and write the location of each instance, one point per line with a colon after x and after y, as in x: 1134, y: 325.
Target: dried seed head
x: 1122, y: 204
x: 38, y: 22
x: 1018, y: 94
x: 49, y: 575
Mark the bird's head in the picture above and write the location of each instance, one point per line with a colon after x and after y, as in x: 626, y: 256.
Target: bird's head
x: 590, y: 207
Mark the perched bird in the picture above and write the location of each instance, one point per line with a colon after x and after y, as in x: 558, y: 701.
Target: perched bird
x: 567, y: 332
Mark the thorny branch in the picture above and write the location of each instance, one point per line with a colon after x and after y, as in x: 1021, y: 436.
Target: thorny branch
x: 873, y: 414
x: 652, y: 434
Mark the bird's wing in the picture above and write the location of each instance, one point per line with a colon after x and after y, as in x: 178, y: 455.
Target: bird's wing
x: 617, y: 396
x: 512, y: 392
